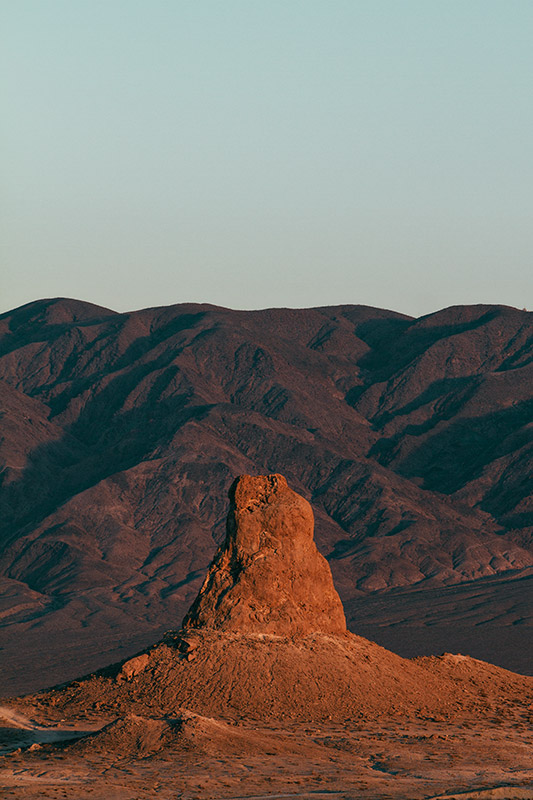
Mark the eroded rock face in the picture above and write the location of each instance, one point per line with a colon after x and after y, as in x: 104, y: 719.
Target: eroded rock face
x: 268, y: 576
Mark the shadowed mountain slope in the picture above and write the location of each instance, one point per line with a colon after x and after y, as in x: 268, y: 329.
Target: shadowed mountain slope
x: 121, y: 434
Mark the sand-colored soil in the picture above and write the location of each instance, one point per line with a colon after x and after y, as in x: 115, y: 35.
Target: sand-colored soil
x: 198, y: 758
x: 319, y: 677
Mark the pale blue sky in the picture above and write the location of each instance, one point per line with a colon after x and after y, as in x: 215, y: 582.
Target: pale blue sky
x: 255, y: 153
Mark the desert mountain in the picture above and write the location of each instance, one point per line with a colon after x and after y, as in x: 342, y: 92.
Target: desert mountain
x: 121, y: 434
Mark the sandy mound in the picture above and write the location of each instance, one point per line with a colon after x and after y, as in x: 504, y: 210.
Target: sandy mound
x: 314, y: 678
x: 135, y: 736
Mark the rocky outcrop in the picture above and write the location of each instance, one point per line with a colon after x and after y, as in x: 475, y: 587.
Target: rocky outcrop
x: 268, y: 576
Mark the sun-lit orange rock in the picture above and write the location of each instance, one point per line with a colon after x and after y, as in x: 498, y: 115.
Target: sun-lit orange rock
x: 268, y: 576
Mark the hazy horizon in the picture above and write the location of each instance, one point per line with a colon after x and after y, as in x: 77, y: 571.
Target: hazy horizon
x: 292, y: 153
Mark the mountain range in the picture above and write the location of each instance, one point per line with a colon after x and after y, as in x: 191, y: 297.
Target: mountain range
x: 121, y: 434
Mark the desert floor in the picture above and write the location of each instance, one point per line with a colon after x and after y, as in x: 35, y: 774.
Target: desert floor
x: 371, y: 761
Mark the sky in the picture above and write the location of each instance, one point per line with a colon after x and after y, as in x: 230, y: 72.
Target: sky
x: 259, y: 153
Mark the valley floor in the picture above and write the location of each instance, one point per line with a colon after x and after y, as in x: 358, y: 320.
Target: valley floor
x: 373, y: 761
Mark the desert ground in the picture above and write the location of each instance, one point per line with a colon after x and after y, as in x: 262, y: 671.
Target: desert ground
x: 213, y: 759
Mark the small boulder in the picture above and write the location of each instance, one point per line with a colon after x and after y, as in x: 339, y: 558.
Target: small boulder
x: 133, y: 667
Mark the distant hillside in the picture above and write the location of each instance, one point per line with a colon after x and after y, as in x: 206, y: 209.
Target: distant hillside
x: 121, y: 434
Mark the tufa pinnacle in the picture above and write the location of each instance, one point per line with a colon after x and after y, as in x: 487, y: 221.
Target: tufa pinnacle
x: 268, y: 576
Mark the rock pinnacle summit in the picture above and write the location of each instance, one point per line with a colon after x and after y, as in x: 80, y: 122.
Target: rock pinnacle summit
x: 268, y: 576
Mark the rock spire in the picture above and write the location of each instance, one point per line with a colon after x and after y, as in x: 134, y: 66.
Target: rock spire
x: 268, y: 576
